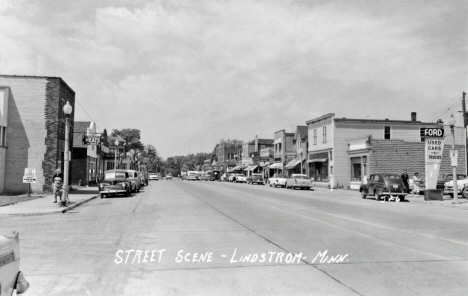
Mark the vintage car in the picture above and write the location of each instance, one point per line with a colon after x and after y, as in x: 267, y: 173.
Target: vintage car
x: 135, y: 180
x: 11, y: 278
x: 192, y: 176
x: 241, y: 178
x: 115, y: 182
x: 298, y: 181
x: 256, y: 179
x: 169, y: 177
x: 462, y: 186
x: 278, y: 180
x: 444, y: 178
x: 385, y: 185
x: 153, y: 176
x: 232, y: 178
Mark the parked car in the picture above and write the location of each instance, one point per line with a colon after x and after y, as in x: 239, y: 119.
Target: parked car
x: 444, y: 178
x: 224, y: 178
x: 115, y: 182
x: 278, y: 180
x: 169, y: 177
x: 384, y: 186
x: 299, y: 181
x: 11, y: 278
x: 256, y: 179
x: 153, y: 176
x: 192, y: 176
x: 241, y: 178
x: 462, y: 187
x: 135, y: 180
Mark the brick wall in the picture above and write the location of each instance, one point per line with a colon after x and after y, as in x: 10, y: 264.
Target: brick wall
x: 394, y: 156
x: 32, y: 129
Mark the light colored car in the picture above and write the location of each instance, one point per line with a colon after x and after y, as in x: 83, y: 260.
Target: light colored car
x: 135, y: 180
x: 462, y: 187
x: 298, y: 181
x: 169, y: 177
x: 153, y: 176
x: 278, y: 180
x: 11, y: 278
x: 231, y: 177
x: 115, y: 182
x: 192, y: 176
x: 241, y: 178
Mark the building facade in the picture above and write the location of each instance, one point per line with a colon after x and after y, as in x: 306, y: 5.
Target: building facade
x: 283, y: 150
x: 32, y: 130
x: 345, y: 152
x: 298, y: 164
x: 226, y: 156
x: 86, y: 158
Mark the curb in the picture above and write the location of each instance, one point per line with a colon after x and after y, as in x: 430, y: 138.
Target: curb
x: 78, y: 204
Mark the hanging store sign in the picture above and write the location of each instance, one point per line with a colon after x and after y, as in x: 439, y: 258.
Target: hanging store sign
x: 91, y: 140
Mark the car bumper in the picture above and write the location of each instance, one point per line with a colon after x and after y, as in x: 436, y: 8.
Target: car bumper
x: 449, y: 190
x: 112, y: 191
x: 394, y: 193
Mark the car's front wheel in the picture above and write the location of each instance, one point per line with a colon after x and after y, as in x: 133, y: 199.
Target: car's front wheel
x: 363, y: 194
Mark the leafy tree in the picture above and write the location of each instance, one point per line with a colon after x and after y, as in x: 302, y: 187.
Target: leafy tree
x: 132, y: 138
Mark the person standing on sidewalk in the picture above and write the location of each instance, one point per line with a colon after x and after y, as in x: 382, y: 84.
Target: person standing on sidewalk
x: 405, y: 178
x: 57, y: 184
x: 416, y: 181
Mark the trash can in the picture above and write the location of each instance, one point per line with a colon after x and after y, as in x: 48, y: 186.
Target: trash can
x: 433, y: 194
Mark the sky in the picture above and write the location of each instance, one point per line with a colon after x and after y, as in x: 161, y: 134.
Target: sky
x: 189, y: 73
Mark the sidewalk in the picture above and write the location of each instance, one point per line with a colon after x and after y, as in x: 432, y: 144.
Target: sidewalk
x: 45, y: 205
x: 447, y: 202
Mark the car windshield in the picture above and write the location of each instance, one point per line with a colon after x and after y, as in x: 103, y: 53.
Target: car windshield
x: 114, y: 175
x: 300, y: 177
x: 392, y: 177
x: 152, y: 174
x: 281, y: 176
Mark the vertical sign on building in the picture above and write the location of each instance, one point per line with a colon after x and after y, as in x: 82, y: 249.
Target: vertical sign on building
x: 434, y: 139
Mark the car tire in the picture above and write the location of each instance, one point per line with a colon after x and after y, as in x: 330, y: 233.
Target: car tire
x: 464, y: 193
x: 269, y: 184
x: 363, y: 194
x: 102, y: 195
x: 451, y: 195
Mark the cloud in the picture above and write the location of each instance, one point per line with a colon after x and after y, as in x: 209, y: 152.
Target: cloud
x: 200, y: 71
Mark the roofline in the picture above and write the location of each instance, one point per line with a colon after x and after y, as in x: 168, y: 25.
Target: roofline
x: 320, y: 118
x: 383, y: 121
x: 280, y: 131
x: 33, y: 77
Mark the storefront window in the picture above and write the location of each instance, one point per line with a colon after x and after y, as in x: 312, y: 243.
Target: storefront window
x: 356, y: 169
x: 318, y: 171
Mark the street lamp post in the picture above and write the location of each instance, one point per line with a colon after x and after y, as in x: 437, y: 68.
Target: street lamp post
x: 116, y: 151
x: 67, y: 109
x: 452, y: 122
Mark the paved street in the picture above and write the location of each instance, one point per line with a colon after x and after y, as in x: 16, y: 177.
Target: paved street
x: 248, y: 239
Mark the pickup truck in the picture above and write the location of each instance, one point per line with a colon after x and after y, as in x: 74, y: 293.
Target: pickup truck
x: 385, y: 185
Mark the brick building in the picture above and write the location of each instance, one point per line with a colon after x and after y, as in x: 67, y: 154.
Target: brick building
x: 251, y: 155
x: 32, y: 129
x: 284, y: 151
x: 226, y: 156
x: 86, y: 158
x: 298, y: 164
x: 351, y: 149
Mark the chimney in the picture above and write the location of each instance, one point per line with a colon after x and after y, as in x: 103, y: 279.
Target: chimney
x: 413, y: 116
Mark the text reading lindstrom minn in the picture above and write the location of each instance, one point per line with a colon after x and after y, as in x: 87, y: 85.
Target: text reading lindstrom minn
x: 135, y: 256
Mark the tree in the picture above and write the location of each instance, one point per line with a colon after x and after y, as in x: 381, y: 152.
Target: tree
x: 132, y: 138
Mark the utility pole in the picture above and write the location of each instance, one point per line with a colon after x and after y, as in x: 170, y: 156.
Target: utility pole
x: 465, y: 118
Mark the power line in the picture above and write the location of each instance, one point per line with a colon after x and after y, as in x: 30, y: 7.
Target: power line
x: 439, y: 112
x: 76, y: 100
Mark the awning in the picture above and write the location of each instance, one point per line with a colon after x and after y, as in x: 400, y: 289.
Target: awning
x: 293, y: 163
x: 318, y: 160
x: 276, y: 166
x: 279, y: 140
x: 247, y: 168
x: 251, y: 168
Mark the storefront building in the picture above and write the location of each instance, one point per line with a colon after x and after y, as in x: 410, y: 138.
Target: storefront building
x: 346, y: 151
x: 32, y: 130
x: 226, y: 156
x: 86, y: 157
x: 298, y: 165
x: 284, y: 151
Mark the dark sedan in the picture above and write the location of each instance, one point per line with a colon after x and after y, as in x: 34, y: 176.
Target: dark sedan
x: 115, y: 182
x: 384, y: 186
x: 256, y: 179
